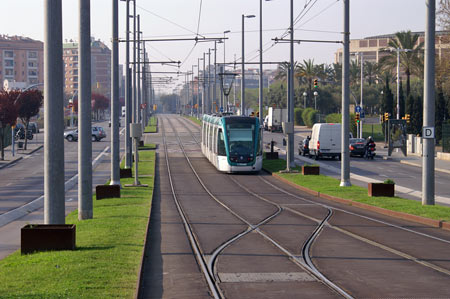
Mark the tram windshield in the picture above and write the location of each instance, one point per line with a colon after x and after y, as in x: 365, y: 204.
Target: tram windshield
x: 241, y: 138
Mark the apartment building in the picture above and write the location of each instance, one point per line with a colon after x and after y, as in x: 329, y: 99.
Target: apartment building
x: 100, y: 67
x: 372, y: 47
x: 21, y: 60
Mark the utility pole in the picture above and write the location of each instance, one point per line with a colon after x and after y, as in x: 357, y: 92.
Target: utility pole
x: 138, y: 73
x: 54, y: 202
x: 128, y: 105
x: 115, y: 138
x: 209, y: 101
x: 290, y: 134
x: 428, y: 191
x: 134, y: 101
x: 362, y: 107
x: 243, y: 70
x: 345, y: 154
x: 234, y: 87
x: 204, y: 85
x: 215, y: 76
x: 198, y: 88
x: 261, y: 83
x: 85, y: 206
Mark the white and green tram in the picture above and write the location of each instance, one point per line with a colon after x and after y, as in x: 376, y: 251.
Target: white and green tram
x: 232, y: 143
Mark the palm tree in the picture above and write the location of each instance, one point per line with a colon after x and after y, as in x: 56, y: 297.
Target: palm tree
x: 307, y: 72
x: 355, y: 72
x: 371, y: 71
x: 410, y: 60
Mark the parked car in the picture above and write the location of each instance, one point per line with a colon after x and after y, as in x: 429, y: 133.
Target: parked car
x: 325, y: 141
x: 303, y: 147
x: 357, y: 146
x: 98, y: 133
x: 33, y: 126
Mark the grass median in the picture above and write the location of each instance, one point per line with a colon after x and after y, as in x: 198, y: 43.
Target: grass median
x: 194, y: 119
x: 330, y: 186
x: 106, y: 261
x: 152, y: 124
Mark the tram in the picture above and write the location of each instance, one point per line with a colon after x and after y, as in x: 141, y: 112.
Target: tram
x: 232, y: 143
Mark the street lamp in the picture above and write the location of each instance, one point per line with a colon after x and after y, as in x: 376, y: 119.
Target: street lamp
x: 261, y: 78
x: 315, y: 100
x: 243, y: 66
x: 304, y: 99
x: 398, y: 50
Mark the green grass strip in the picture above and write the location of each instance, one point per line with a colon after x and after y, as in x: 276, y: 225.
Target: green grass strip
x: 152, y: 125
x: 330, y: 186
x: 106, y: 261
x: 194, y: 119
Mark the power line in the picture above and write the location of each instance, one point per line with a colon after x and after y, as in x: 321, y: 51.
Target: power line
x: 319, y: 13
x: 199, y: 16
x: 167, y: 20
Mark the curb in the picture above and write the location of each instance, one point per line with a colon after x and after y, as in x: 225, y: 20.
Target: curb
x: 11, y: 162
x: 147, y: 230
x: 395, y: 214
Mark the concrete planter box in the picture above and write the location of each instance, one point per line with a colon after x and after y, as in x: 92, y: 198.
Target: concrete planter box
x: 381, y: 189
x: 271, y: 155
x: 141, y: 142
x: 46, y: 237
x: 125, y: 173
x: 310, y: 170
x: 107, y: 191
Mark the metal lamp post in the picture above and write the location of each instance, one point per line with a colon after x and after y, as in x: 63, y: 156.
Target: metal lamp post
x: 315, y: 100
x: 243, y: 66
x: 304, y: 99
x: 398, y: 50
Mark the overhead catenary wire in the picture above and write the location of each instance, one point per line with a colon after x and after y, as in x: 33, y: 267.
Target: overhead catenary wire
x: 199, y: 17
x: 319, y: 13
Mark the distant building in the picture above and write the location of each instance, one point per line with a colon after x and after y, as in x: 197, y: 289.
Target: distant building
x: 372, y: 47
x: 12, y: 85
x: 100, y: 67
x: 21, y: 59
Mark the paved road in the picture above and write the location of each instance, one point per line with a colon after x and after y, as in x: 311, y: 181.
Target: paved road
x: 408, y: 178
x: 22, y: 182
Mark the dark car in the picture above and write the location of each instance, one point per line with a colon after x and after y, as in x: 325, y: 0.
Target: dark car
x: 357, y: 146
x: 303, y: 147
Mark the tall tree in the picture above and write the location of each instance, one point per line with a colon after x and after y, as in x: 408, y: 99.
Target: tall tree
x: 371, y: 71
x: 8, y: 117
x: 417, y: 115
x: 388, y: 100
x: 355, y: 72
x: 307, y: 72
x: 440, y: 113
x: 409, y: 110
x: 401, y: 101
x: 411, y: 60
x: 28, y: 104
x: 443, y: 14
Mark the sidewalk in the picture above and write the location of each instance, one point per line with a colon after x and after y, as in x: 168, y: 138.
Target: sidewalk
x: 32, y: 146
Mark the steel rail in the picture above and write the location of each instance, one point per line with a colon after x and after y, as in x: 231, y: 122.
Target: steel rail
x: 306, y: 264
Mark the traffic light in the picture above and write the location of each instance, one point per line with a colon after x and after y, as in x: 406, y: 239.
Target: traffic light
x: 408, y: 118
x: 386, y: 116
x: 382, y: 118
x: 316, y: 83
x: 357, y: 117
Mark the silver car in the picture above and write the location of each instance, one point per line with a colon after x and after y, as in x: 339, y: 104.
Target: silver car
x: 98, y: 133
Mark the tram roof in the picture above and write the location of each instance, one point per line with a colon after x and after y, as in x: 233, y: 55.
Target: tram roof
x: 217, y: 119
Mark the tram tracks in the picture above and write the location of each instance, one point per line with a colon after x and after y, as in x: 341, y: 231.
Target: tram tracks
x: 304, y: 263
x: 324, y: 222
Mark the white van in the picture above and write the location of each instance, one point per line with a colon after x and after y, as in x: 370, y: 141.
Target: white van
x: 325, y: 141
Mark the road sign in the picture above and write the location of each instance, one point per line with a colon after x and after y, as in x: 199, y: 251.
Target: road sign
x: 428, y: 132
x: 221, y: 109
x: 362, y: 114
x: 358, y: 109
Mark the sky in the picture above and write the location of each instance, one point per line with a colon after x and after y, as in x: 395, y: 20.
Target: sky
x: 319, y: 20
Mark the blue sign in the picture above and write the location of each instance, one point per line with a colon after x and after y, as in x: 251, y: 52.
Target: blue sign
x: 362, y: 114
x: 358, y: 109
x: 221, y: 109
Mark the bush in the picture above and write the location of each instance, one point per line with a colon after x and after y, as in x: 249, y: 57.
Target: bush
x: 298, y: 120
x: 309, y: 117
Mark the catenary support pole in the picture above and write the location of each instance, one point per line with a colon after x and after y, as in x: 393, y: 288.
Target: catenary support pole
x: 428, y: 191
x: 242, y: 108
x: 209, y: 101
x: 290, y: 135
x: 128, y: 107
x: 115, y: 139
x: 398, y: 83
x: 345, y: 154
x: 204, y: 85
x: 261, y: 82
x: 362, y: 107
x: 54, y: 201
x: 138, y: 73
x: 215, y: 77
x: 85, y: 209
x: 134, y: 100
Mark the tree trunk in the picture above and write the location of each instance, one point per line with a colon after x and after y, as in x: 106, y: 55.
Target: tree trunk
x: 26, y: 134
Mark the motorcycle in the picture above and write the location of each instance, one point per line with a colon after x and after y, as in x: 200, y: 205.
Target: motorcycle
x: 21, y: 135
x: 370, y: 152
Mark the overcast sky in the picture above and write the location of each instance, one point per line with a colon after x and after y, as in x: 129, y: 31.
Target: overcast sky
x: 321, y: 19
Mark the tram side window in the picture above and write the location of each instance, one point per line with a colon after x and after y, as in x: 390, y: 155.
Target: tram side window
x: 259, y: 151
x: 210, y: 138
x: 215, y: 141
x: 221, y: 144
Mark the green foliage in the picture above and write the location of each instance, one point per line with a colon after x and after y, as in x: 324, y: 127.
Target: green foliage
x: 416, y: 115
x: 309, y: 117
x: 389, y: 181
x: 440, y: 113
x: 298, y: 117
